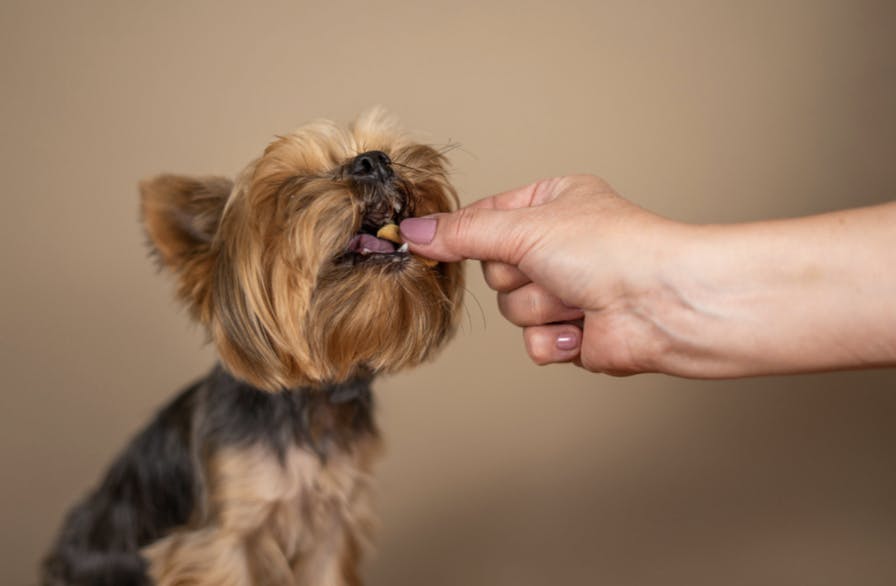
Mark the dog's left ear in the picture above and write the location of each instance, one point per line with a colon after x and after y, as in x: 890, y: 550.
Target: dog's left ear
x: 181, y: 216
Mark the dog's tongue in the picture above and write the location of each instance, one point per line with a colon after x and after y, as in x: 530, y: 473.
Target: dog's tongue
x: 368, y: 243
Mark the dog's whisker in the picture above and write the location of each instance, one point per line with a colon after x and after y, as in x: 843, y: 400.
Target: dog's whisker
x: 470, y: 295
x: 402, y: 165
x: 446, y: 148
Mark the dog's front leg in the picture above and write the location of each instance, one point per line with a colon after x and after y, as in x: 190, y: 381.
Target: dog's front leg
x: 332, y: 560
x: 230, y: 541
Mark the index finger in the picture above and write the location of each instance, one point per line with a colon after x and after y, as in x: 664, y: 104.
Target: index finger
x: 522, y: 197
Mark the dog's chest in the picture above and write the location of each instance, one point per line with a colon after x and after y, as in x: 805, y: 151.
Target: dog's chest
x: 300, y: 502
x: 303, y: 479
x: 285, y: 489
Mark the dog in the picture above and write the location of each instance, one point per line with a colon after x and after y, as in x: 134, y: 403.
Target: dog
x: 260, y: 473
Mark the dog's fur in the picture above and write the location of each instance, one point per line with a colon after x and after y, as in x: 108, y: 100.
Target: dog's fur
x: 260, y: 472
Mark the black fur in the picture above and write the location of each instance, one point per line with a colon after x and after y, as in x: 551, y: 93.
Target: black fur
x: 155, y: 485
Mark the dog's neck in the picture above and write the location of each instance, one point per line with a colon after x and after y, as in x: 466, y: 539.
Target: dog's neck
x: 352, y: 389
x: 320, y: 418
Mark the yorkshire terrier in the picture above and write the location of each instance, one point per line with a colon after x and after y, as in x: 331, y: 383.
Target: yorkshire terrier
x: 260, y: 473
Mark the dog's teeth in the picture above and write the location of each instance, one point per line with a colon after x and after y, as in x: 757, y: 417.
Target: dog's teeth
x: 403, y: 247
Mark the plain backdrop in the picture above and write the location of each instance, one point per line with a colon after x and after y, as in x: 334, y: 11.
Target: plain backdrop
x: 498, y: 472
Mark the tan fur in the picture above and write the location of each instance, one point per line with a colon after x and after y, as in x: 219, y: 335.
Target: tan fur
x: 271, y: 523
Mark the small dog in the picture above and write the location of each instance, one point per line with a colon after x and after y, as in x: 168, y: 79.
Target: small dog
x: 260, y: 472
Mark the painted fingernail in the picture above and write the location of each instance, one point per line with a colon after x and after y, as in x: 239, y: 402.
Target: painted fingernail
x: 418, y: 230
x: 567, y: 341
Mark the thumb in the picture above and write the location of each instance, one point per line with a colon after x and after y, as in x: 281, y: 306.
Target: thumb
x: 472, y: 232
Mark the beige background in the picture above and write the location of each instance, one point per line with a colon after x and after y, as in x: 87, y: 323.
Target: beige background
x: 498, y: 472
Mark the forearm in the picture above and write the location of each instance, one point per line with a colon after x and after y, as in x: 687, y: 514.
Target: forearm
x: 799, y: 295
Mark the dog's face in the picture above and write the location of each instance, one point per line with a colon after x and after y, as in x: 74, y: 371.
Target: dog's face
x: 283, y: 266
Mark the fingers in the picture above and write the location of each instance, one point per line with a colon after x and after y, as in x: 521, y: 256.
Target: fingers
x: 476, y: 233
x: 522, y: 197
x: 530, y: 305
x: 503, y: 277
x: 565, y: 342
x: 509, y: 200
x: 489, y: 229
x: 615, y: 345
x: 552, y: 343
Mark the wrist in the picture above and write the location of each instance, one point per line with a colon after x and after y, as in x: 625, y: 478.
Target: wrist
x: 690, y: 303
x: 786, y: 296
x: 709, y: 308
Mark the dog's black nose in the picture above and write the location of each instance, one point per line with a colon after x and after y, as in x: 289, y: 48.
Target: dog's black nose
x: 371, y: 166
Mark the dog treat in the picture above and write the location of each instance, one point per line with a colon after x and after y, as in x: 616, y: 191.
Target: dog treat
x: 391, y: 233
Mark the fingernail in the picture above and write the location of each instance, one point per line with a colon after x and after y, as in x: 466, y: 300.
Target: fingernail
x: 418, y: 230
x: 567, y: 341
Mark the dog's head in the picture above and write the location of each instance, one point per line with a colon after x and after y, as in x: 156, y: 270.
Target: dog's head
x: 284, y: 266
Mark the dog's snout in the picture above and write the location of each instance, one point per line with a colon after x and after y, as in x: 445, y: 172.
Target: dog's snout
x: 371, y: 166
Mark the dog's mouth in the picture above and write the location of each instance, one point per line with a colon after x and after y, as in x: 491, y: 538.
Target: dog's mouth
x: 382, y: 245
x: 379, y: 241
x: 385, y: 240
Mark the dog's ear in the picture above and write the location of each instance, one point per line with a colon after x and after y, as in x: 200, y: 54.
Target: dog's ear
x: 181, y: 216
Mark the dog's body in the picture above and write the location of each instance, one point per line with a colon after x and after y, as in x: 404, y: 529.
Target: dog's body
x: 260, y: 472
x: 230, y: 484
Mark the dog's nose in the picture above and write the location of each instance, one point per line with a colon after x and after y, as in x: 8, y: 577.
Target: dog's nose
x: 371, y: 166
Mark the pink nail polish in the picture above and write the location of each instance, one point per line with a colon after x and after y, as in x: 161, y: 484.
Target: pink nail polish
x: 567, y: 342
x: 418, y: 230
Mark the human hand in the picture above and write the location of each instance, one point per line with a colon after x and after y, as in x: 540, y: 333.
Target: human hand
x: 564, y: 253
x: 594, y: 279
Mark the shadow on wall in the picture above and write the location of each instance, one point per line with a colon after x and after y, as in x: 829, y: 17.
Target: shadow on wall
x: 796, y: 486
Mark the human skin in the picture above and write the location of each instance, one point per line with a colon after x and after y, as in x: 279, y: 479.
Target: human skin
x: 595, y: 280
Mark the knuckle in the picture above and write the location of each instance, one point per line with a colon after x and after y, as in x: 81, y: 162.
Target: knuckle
x: 609, y: 351
x: 537, y: 307
x: 499, y: 276
x: 592, y: 181
x: 505, y: 304
x: 520, y: 238
x: 463, y: 224
x: 599, y: 182
x: 618, y: 359
x: 536, y: 348
x: 523, y: 307
x: 590, y: 357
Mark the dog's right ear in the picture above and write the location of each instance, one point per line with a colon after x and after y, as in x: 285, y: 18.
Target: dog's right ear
x: 181, y: 216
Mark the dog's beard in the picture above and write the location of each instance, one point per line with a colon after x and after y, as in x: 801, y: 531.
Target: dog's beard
x: 376, y: 304
x: 291, y: 279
